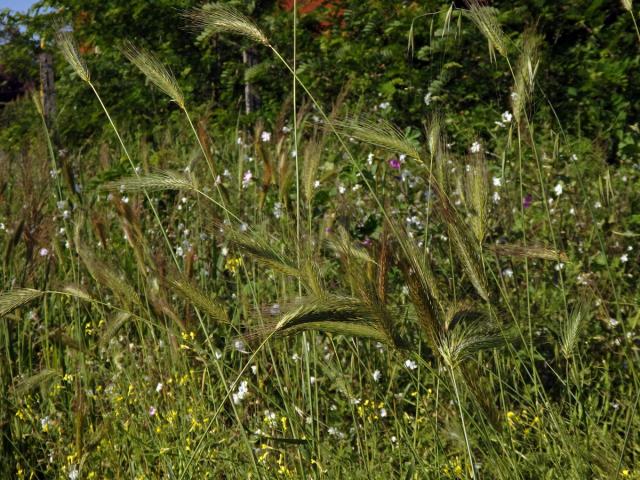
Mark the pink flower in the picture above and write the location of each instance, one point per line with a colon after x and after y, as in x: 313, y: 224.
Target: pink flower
x: 394, y: 163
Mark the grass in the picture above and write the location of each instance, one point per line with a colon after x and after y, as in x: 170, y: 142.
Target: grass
x: 374, y: 307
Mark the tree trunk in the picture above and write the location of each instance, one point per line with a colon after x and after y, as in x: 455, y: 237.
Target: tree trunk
x: 251, y: 102
x: 47, y: 87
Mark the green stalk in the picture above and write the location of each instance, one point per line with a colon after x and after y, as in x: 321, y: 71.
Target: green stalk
x: 464, y: 428
x: 126, y: 152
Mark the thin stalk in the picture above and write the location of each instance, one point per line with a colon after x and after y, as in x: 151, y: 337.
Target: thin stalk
x: 222, y: 403
x: 210, y: 165
x: 464, y: 428
x: 635, y: 24
x: 126, y: 152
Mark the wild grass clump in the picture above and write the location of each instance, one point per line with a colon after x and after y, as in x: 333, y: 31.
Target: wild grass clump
x: 379, y: 305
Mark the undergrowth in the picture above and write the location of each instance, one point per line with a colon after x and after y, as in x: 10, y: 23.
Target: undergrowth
x: 323, y: 297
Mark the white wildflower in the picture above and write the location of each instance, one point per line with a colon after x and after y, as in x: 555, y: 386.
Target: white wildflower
x: 410, y: 364
x: 376, y: 375
x: 476, y: 147
x: 277, y: 210
x: 44, y: 423
x: 74, y: 474
x: 241, y: 393
x: 558, y: 189
x: 239, y: 346
x: 265, y: 136
x: 370, y: 159
x: 246, y: 178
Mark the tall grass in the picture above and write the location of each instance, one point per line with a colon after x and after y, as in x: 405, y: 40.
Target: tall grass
x: 467, y: 334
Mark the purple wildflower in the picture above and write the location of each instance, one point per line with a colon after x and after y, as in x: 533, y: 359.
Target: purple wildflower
x: 526, y: 201
x: 394, y: 163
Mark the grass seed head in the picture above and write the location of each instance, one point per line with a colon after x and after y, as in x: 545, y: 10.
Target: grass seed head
x: 216, y: 18
x: 155, y: 71
x: 69, y: 50
x: 487, y: 22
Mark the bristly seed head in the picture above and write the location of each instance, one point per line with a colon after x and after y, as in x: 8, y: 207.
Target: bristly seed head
x: 69, y: 49
x: 155, y: 71
x: 215, y: 18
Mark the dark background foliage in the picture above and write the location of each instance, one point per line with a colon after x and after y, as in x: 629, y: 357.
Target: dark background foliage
x: 386, y: 52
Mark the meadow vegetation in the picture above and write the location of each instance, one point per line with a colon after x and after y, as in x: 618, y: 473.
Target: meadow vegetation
x: 321, y: 293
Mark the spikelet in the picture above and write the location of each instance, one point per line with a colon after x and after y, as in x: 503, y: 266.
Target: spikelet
x: 334, y: 314
x: 199, y: 299
x: 476, y: 195
x: 525, y: 74
x: 159, y: 181
x: 13, y: 299
x: 312, y: 156
x: 468, y: 338
x: 487, y: 22
x: 423, y: 289
x: 217, y: 18
x: 628, y: 5
x: 437, y: 148
x: 112, y: 326
x: 37, y: 101
x: 467, y: 247
x: 69, y: 50
x: 263, y: 250
x: 342, y: 243
x: 571, y: 329
x: 530, y: 251
x: 102, y: 273
x: 42, y: 378
x: 380, y: 133
x: 77, y: 292
x: 155, y: 71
